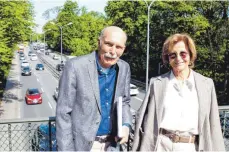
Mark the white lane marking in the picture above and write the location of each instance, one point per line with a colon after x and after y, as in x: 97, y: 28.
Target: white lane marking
x: 42, y: 90
x: 38, y: 80
x: 138, y: 98
x: 50, y: 105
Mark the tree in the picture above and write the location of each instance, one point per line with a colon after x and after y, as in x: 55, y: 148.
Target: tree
x: 15, y: 27
x: 205, y: 21
x: 81, y: 37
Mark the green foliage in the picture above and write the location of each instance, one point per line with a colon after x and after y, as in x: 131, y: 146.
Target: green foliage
x: 5, y: 59
x: 80, y: 46
x: 79, y: 38
x: 205, y: 21
x: 15, y: 22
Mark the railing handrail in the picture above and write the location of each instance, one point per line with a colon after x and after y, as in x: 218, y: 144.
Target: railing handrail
x: 27, y: 120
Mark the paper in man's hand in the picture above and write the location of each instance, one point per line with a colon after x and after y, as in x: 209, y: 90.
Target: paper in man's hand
x: 119, y: 115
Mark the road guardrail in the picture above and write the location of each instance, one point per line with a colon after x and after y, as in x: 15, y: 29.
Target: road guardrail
x: 52, y: 69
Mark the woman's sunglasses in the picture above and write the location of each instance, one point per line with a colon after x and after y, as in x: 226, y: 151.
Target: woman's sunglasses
x: 182, y: 54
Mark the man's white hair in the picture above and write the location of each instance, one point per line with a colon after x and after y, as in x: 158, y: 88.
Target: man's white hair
x: 112, y: 27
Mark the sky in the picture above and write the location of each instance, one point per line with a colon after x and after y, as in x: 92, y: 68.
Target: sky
x: 41, y: 6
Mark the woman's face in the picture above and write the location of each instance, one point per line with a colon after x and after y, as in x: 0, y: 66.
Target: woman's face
x: 179, y: 57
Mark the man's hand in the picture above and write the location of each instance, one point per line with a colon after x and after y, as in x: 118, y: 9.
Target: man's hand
x: 125, y: 132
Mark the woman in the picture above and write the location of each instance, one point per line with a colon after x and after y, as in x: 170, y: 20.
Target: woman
x: 180, y: 111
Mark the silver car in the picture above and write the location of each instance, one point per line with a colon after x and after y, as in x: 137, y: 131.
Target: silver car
x: 133, y: 90
x: 56, y: 92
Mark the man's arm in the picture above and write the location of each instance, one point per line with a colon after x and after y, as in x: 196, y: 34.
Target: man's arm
x: 66, y: 98
x: 126, y: 114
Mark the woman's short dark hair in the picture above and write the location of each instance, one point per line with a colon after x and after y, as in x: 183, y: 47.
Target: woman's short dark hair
x: 172, y: 40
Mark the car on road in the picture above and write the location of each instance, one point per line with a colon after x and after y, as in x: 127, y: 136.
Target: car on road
x: 60, y: 67
x: 24, y: 63
x: 55, y: 57
x: 22, y: 56
x: 42, y: 48
x: 56, y: 92
x: 33, y: 57
x: 35, y: 47
x: 26, y: 71
x: 46, y: 53
x: 133, y: 90
x: 41, y: 138
x: 21, y: 52
x: 40, y: 66
x: 33, y: 96
x: 30, y: 53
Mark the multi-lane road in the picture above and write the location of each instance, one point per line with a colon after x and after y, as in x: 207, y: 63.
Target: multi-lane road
x: 46, y: 83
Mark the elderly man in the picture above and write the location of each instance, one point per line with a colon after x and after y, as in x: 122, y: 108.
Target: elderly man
x: 86, y: 115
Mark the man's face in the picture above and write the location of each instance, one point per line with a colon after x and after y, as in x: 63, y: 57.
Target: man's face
x: 111, y: 47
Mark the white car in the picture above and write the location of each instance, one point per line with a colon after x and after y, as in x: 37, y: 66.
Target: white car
x: 33, y: 57
x: 133, y: 90
x: 25, y: 64
x: 56, y: 92
x: 22, y: 58
x: 42, y: 49
x: 55, y: 57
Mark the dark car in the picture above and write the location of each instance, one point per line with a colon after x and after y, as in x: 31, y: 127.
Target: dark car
x: 46, y: 53
x: 40, y: 66
x: 224, y: 121
x: 35, y: 47
x: 60, y: 67
x: 41, y: 139
x: 33, y: 96
x: 26, y: 71
x: 21, y: 52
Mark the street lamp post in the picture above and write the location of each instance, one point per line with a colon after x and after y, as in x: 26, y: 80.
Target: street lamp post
x: 61, y: 44
x: 61, y: 33
x: 147, y: 54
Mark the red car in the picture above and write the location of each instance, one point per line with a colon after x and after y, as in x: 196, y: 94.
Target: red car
x: 33, y: 96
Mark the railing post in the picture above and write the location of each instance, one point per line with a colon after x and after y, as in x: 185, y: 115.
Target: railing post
x: 50, y: 136
x: 30, y: 139
x: 9, y: 133
x: 224, y: 123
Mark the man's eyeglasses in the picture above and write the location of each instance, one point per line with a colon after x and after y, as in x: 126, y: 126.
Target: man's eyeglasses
x: 182, y: 54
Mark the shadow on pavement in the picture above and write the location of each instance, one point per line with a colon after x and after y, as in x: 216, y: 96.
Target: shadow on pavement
x: 12, y: 84
x: 10, y: 92
x: 9, y: 97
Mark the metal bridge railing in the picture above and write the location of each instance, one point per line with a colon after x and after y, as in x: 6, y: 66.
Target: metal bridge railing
x: 39, y: 134
x: 35, y: 134
x: 224, y: 121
